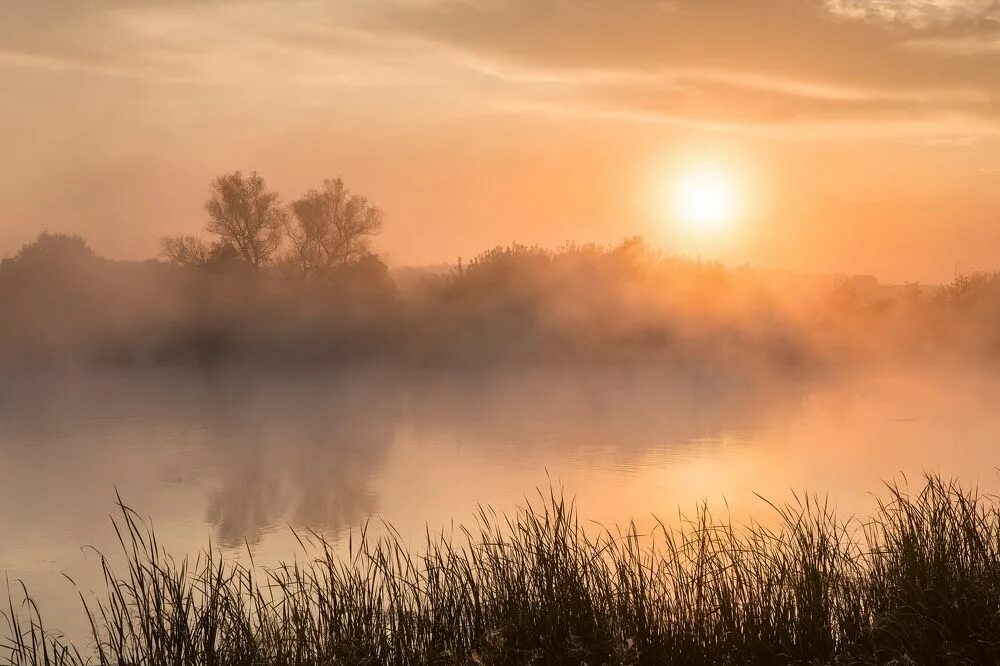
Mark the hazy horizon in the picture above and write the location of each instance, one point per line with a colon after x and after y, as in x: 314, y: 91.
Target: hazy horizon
x: 862, y: 137
x: 403, y: 274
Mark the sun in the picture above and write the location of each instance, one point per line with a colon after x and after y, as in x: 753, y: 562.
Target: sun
x: 705, y: 199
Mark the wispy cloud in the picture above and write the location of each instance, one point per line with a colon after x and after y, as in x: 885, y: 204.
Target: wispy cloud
x: 920, y: 14
x: 775, y: 61
x: 28, y: 60
x: 959, y: 46
x: 700, y: 61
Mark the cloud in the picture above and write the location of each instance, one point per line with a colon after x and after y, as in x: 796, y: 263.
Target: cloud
x: 28, y: 60
x: 959, y: 46
x: 725, y: 64
x: 919, y: 14
x: 702, y: 61
x: 952, y: 141
x: 732, y: 100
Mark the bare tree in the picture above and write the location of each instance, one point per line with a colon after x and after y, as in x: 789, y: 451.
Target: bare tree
x: 243, y: 214
x: 193, y: 251
x: 332, y: 227
x: 185, y: 250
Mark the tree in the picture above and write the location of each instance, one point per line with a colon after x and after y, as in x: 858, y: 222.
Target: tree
x: 332, y: 227
x: 53, y: 250
x: 193, y: 251
x: 245, y: 216
x: 185, y: 250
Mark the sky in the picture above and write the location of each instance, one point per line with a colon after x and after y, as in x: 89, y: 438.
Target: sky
x: 863, y: 136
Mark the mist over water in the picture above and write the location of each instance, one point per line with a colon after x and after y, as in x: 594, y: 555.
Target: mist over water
x: 240, y: 405
x: 237, y: 458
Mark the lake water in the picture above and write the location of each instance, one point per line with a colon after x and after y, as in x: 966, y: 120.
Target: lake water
x: 236, y: 459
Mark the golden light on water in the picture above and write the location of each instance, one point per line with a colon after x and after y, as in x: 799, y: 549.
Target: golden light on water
x: 705, y: 199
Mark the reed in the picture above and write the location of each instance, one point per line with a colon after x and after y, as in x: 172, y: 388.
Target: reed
x: 917, y: 582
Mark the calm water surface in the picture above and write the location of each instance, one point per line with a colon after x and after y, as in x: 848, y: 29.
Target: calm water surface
x: 237, y: 459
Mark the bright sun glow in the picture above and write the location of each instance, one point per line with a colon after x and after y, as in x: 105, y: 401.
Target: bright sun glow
x: 705, y: 199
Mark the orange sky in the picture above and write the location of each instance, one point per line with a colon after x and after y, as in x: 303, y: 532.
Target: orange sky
x: 865, y: 134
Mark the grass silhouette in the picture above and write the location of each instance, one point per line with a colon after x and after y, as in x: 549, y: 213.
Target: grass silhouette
x: 917, y: 582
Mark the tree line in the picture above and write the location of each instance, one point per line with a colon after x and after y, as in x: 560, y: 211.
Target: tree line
x: 298, y: 282
x: 324, y: 229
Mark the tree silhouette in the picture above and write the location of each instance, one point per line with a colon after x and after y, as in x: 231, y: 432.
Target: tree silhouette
x: 193, y: 251
x: 332, y: 227
x: 53, y: 250
x: 244, y: 215
x: 185, y: 250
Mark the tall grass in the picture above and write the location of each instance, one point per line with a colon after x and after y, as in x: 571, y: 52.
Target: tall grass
x: 918, y: 582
